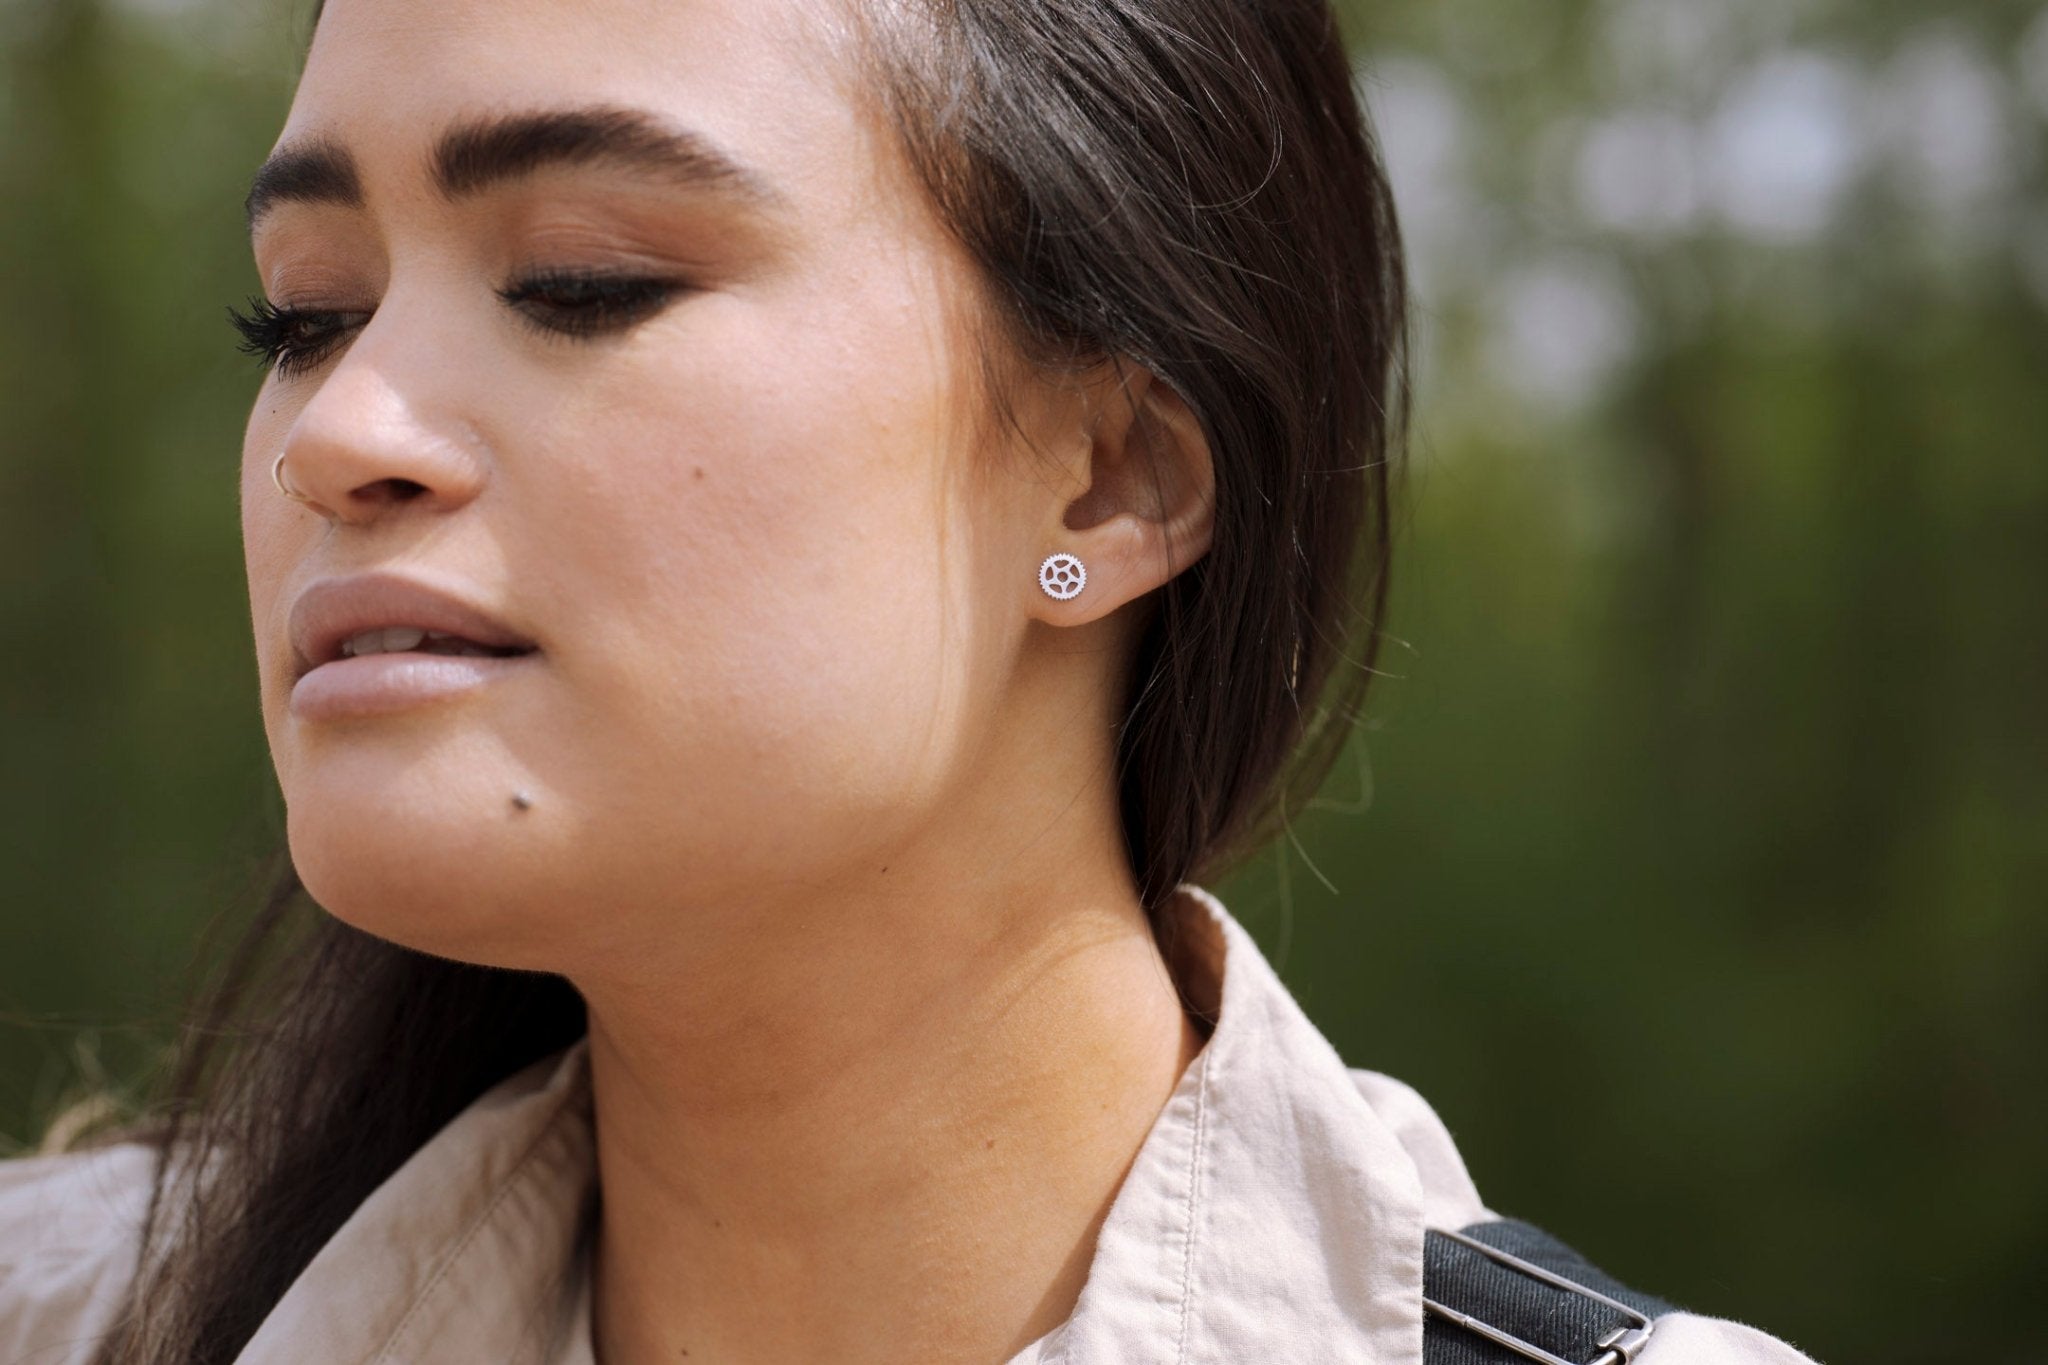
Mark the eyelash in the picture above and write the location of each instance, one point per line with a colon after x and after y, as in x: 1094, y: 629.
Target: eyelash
x: 583, y: 304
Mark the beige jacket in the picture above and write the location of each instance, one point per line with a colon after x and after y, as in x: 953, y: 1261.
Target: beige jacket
x: 1275, y: 1213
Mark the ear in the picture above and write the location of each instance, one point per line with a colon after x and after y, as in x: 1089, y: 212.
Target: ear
x: 1149, y: 504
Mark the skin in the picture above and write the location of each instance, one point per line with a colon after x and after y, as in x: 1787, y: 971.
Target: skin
x: 824, y: 822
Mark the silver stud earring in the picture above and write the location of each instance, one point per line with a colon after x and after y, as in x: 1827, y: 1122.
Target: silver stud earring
x: 1062, y: 576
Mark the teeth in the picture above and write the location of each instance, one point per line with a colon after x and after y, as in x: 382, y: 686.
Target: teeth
x: 398, y: 639
x: 388, y: 640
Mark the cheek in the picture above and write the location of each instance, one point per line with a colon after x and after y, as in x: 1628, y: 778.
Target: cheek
x: 763, y: 580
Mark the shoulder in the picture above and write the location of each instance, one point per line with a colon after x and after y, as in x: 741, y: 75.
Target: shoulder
x: 1450, y: 1200
x: 1683, y: 1338
x: 70, y: 1224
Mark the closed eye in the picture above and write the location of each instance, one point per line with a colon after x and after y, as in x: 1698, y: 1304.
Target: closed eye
x: 290, y: 339
x: 583, y: 303
x: 556, y: 302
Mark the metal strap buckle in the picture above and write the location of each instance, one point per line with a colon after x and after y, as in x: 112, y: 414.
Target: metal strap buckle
x: 1618, y: 1347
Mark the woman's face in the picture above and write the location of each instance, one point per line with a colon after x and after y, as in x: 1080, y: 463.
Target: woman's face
x: 734, y: 496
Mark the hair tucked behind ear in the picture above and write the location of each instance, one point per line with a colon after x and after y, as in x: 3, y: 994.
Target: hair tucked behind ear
x: 1187, y: 185
x: 1191, y: 185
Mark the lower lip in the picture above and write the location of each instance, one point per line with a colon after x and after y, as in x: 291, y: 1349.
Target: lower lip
x: 380, y: 684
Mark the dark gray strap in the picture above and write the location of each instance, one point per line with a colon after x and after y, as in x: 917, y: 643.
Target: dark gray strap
x: 1566, y: 1324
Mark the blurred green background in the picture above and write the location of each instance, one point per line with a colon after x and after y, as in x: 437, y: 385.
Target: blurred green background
x: 1693, y: 856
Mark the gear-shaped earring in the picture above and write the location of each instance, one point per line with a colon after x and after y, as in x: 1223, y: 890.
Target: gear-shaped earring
x: 1062, y: 576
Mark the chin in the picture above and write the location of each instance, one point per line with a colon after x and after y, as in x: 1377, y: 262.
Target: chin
x: 419, y: 884
x: 425, y: 913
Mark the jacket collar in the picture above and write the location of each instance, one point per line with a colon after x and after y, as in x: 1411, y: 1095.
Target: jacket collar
x: 1274, y: 1211
x: 468, y: 1253
x: 1271, y: 1213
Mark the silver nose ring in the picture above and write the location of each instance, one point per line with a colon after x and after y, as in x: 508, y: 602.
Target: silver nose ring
x: 277, y: 477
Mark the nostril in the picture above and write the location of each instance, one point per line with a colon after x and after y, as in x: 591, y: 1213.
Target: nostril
x: 395, y: 489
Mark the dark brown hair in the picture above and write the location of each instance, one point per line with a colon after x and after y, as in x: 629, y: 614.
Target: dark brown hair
x: 1185, y: 185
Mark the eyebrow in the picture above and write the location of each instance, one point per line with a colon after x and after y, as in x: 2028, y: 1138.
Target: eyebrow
x: 477, y: 153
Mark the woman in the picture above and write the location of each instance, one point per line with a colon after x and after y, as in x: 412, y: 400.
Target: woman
x: 784, y: 540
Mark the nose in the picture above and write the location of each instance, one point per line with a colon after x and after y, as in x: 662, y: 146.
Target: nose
x: 366, y: 443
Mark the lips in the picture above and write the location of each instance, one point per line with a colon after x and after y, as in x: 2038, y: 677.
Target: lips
x: 334, y: 610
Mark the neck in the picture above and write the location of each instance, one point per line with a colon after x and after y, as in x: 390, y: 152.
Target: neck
x: 889, y: 1132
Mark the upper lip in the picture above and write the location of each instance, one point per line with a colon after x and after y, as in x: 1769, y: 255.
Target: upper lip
x: 333, y: 610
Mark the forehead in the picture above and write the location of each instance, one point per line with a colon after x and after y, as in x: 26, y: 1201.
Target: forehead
x: 766, y: 80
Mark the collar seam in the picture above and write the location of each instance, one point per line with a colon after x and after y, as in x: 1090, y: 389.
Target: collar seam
x: 547, y: 1130
x: 1194, y: 1207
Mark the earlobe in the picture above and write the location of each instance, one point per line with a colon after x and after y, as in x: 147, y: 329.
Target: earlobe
x: 1148, y: 509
